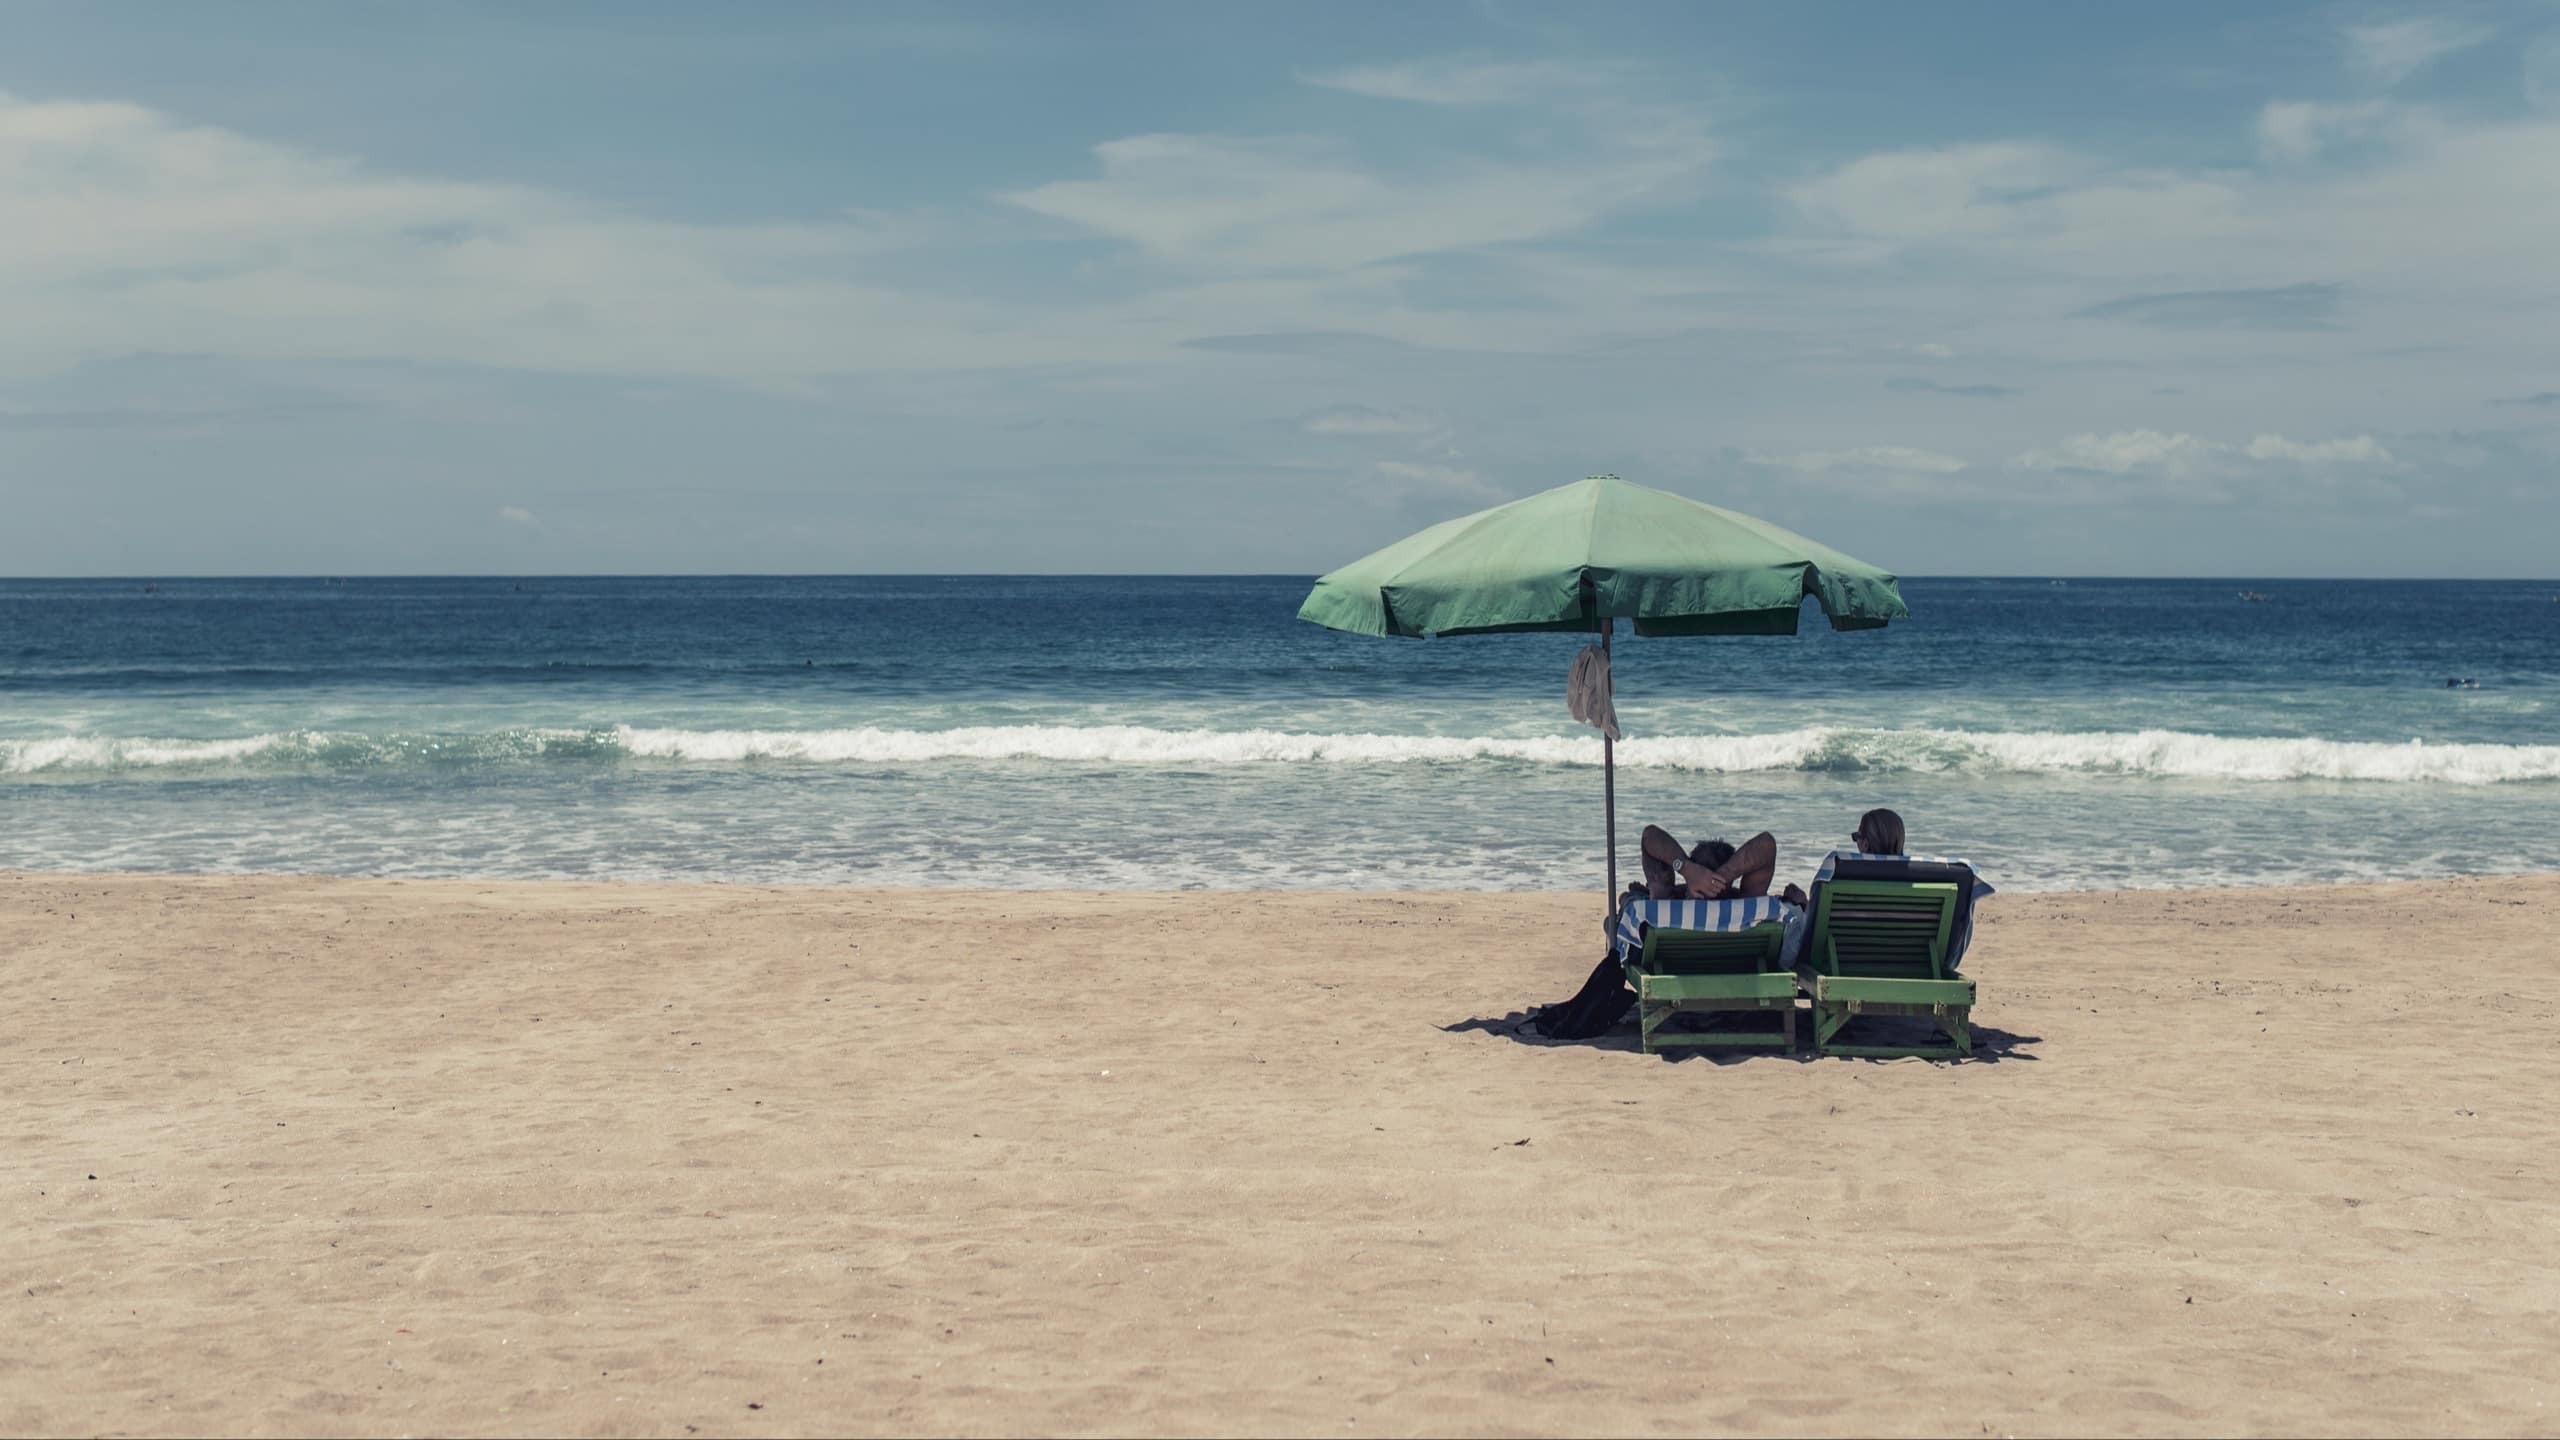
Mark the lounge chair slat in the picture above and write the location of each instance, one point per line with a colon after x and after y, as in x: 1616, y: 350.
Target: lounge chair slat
x: 1879, y: 947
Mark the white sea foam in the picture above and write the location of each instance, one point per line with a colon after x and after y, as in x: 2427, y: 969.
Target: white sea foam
x: 94, y: 752
x: 1819, y: 748
x: 69, y: 755
x: 2155, y: 753
x: 1096, y: 744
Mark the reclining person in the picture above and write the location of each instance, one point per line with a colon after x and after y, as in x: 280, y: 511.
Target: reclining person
x: 1712, y: 870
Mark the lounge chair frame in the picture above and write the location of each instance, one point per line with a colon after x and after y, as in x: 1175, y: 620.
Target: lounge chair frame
x: 1879, y: 947
x: 1708, y: 971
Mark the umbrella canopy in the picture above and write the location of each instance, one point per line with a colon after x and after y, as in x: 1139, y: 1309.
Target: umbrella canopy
x: 1585, y: 555
x: 1599, y: 549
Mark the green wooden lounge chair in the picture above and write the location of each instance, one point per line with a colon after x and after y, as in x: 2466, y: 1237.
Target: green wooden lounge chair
x: 1880, y: 946
x: 1694, y: 971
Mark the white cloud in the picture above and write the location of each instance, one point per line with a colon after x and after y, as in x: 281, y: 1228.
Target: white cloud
x: 1303, y: 204
x: 1432, y: 474
x: 1962, y: 190
x: 2293, y: 131
x: 2094, y: 469
x: 2391, y: 51
x: 2011, y: 199
x: 1901, y: 458
x: 2436, y: 212
x: 2121, y: 453
x: 1362, y: 420
x: 1592, y: 144
x: 124, y: 230
x: 517, y: 515
x: 2128, y: 452
x: 127, y: 231
x: 1187, y: 197
x: 2355, y: 450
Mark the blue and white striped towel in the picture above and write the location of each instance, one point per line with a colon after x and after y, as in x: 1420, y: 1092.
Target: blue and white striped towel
x: 1724, y: 916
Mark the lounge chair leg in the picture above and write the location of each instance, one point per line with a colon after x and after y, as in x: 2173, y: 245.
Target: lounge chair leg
x: 1828, y: 1021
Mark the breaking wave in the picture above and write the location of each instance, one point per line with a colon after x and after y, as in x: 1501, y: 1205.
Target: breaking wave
x: 2150, y: 753
x: 71, y: 755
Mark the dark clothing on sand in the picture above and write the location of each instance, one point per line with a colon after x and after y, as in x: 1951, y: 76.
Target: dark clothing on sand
x: 1601, y: 1003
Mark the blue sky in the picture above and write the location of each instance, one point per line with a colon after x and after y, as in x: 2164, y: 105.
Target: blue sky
x: 2160, y: 289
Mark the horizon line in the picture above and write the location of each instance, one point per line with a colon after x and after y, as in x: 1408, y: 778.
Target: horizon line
x: 154, y: 577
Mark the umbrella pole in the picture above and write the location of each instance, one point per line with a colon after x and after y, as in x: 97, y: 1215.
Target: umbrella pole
x: 1609, y: 772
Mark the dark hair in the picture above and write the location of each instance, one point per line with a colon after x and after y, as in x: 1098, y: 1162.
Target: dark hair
x: 1880, y: 832
x: 1710, y: 852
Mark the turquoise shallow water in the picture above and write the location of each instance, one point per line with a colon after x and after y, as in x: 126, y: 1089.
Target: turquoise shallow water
x: 1189, y: 731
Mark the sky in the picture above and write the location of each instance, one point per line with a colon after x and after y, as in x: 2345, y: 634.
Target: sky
x: 2160, y: 289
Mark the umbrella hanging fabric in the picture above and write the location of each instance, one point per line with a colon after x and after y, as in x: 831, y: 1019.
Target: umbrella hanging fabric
x: 1581, y: 557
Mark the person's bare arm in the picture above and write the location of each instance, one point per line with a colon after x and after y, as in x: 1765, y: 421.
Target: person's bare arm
x: 1664, y: 851
x: 1753, y: 866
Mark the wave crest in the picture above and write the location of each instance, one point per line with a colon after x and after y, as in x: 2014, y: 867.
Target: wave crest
x: 291, y: 750
x: 2151, y: 753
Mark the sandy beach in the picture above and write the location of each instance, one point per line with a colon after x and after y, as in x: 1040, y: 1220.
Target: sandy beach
x: 305, y: 1156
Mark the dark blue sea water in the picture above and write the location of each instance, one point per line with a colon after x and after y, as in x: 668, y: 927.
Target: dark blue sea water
x: 1153, y: 731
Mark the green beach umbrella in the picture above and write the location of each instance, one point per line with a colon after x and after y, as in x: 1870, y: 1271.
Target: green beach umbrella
x: 1586, y: 555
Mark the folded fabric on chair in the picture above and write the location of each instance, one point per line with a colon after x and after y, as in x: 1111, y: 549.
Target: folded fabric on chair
x: 1723, y: 917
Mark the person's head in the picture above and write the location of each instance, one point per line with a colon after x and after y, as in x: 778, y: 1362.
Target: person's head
x: 1710, y: 853
x: 1879, y: 833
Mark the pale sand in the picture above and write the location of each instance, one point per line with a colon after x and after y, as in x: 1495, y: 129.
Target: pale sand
x: 315, y: 1156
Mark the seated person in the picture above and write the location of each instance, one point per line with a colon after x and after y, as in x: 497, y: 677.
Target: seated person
x: 1713, y: 870
x: 1879, y: 832
x: 1879, y: 836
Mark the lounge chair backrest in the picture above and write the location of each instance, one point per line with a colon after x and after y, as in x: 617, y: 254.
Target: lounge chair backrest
x: 1710, y: 952
x: 1885, y: 929
x: 1918, y: 872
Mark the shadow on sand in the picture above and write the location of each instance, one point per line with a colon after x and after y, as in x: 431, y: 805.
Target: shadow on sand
x: 1990, y: 1043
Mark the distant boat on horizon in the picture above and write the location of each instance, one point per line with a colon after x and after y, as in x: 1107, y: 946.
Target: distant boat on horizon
x: 2253, y: 596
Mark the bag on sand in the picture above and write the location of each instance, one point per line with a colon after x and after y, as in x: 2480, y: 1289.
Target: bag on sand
x: 1602, y: 1002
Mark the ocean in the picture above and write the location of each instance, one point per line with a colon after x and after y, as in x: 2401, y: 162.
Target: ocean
x: 1171, y: 732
